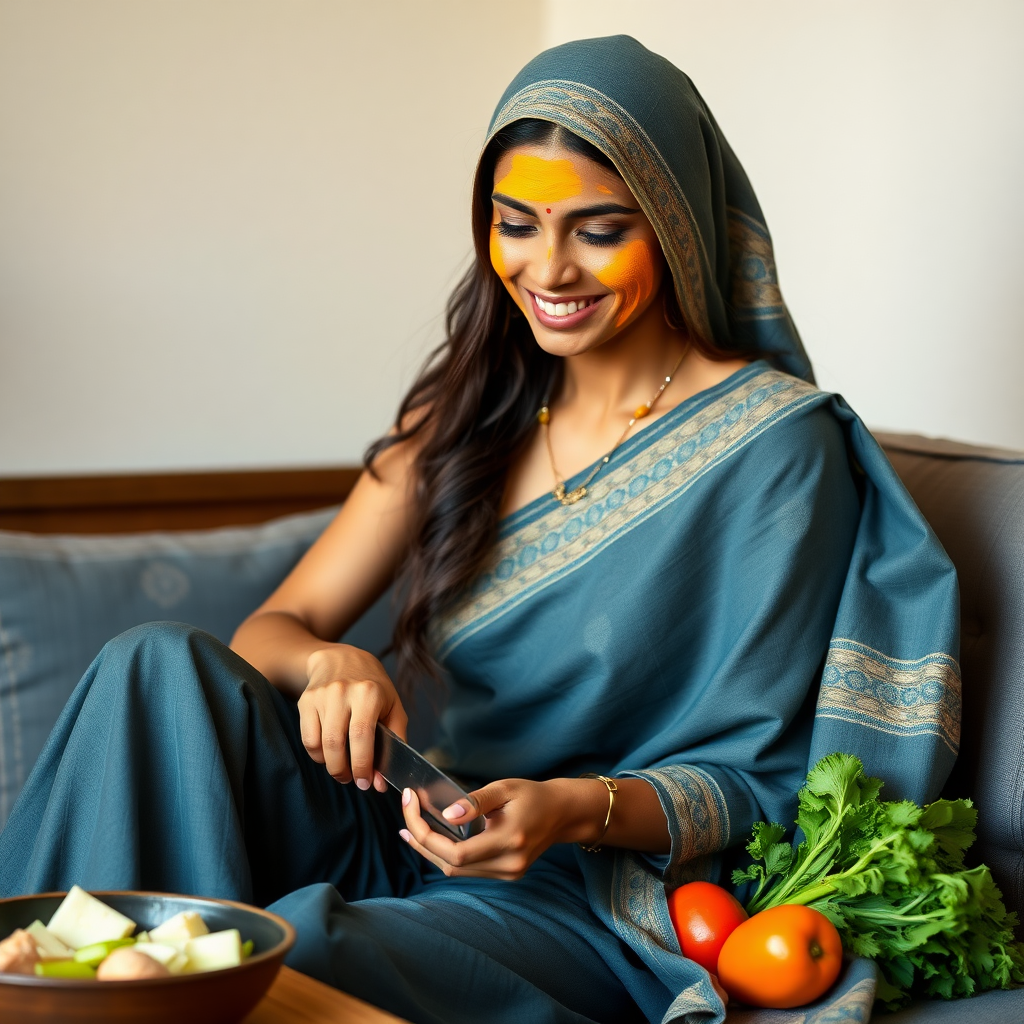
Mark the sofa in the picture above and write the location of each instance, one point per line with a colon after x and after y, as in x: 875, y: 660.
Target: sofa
x: 62, y: 597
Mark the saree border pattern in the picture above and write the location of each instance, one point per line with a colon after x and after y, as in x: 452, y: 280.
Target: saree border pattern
x: 551, y: 546
x: 754, y: 279
x: 639, y: 912
x: 697, y: 812
x: 905, y: 698
x: 599, y: 120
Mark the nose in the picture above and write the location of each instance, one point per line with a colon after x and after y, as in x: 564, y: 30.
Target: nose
x: 557, y: 268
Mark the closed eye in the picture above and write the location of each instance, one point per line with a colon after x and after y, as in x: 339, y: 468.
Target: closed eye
x: 510, y: 230
x: 602, y: 237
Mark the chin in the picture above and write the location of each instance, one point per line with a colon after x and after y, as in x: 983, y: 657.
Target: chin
x: 569, y: 342
x: 566, y: 344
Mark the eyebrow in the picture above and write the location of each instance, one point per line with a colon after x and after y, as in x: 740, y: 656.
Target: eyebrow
x: 601, y: 210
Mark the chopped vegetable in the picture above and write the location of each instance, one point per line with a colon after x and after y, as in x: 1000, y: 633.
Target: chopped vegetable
x: 128, y: 964
x: 180, y: 929
x: 890, y: 876
x: 81, y: 920
x: 18, y: 953
x: 87, y: 939
x: 162, y: 953
x: 214, y: 951
x: 93, y: 955
x: 48, y: 945
x: 64, y: 969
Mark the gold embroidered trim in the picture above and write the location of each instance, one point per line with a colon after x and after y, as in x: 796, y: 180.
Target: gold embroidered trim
x: 639, y: 908
x: 755, y: 282
x: 601, y: 121
x: 910, y: 698
x: 563, y: 539
x: 701, y: 824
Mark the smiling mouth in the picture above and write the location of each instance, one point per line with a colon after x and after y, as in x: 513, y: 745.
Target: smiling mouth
x: 567, y: 313
x: 561, y: 309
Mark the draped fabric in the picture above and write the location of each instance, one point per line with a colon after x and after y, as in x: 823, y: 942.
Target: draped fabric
x: 645, y: 115
x: 746, y: 587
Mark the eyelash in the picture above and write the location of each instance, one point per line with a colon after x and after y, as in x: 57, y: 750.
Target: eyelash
x: 510, y: 230
x: 514, y: 230
x: 610, y: 238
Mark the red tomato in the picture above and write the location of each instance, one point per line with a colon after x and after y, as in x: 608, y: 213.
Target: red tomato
x: 704, y: 916
x: 781, y: 958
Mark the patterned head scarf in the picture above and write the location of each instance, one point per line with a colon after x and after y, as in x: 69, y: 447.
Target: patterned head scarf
x: 646, y: 116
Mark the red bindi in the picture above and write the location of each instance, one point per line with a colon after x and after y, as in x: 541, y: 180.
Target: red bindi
x: 549, y: 209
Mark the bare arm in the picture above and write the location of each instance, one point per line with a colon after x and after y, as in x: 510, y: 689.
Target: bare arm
x: 341, y: 575
x: 291, y: 638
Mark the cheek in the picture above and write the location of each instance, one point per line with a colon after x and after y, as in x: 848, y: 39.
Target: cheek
x: 630, y: 274
x: 498, y: 262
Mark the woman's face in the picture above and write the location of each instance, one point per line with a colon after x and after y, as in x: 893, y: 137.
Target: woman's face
x: 572, y: 246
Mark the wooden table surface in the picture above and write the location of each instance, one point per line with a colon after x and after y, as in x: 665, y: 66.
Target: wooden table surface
x: 296, y: 998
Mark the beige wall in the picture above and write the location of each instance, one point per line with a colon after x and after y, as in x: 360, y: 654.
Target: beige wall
x: 885, y: 140
x: 227, y: 227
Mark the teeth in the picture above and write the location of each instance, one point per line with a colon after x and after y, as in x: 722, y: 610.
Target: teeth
x: 561, y: 308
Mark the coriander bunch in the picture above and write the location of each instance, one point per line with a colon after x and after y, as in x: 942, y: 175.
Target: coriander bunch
x: 890, y: 875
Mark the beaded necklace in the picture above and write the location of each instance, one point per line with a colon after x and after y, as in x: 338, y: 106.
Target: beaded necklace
x: 544, y: 418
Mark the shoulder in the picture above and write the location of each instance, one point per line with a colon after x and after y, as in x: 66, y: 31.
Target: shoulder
x: 394, y: 461
x: 780, y: 427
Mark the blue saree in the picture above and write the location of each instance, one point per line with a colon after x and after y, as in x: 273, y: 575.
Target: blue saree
x: 746, y: 588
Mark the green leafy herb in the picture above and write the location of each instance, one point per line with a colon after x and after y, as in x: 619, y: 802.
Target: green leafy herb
x: 890, y: 876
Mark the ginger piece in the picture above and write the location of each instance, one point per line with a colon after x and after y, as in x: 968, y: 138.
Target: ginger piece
x: 127, y: 964
x: 18, y: 953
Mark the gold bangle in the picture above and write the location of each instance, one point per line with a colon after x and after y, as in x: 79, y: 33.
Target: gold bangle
x: 612, y: 790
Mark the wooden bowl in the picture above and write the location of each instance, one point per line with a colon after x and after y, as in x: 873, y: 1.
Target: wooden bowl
x: 216, y: 997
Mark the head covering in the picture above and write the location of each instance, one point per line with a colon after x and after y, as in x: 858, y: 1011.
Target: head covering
x: 645, y: 115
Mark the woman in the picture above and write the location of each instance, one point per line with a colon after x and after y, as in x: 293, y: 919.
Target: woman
x: 642, y: 546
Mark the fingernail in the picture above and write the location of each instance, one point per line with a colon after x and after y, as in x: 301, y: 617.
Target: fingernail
x: 406, y: 797
x: 363, y: 783
x: 454, y: 812
x: 405, y: 834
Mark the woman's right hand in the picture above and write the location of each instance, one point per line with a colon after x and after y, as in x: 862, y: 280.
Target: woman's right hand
x: 347, y: 694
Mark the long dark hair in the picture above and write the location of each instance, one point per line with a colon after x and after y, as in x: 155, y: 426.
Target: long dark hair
x: 473, y: 409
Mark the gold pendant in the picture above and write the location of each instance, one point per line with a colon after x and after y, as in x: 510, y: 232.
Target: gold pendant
x: 571, y: 497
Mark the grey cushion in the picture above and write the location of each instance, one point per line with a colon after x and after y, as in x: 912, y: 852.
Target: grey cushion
x: 974, y: 500
x: 63, y: 598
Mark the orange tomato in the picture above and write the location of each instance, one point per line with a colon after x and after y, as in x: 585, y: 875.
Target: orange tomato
x: 781, y: 958
x: 704, y: 916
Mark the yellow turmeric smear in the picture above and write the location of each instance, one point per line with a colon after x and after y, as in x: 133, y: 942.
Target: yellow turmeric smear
x: 533, y: 179
x: 630, y: 274
x: 498, y: 262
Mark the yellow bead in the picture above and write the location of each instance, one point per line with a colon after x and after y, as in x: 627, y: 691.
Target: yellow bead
x: 543, y: 416
x: 641, y: 412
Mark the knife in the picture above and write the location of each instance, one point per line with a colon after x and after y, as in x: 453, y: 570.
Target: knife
x: 405, y: 768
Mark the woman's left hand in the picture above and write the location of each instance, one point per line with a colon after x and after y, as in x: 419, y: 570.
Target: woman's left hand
x: 523, y: 817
